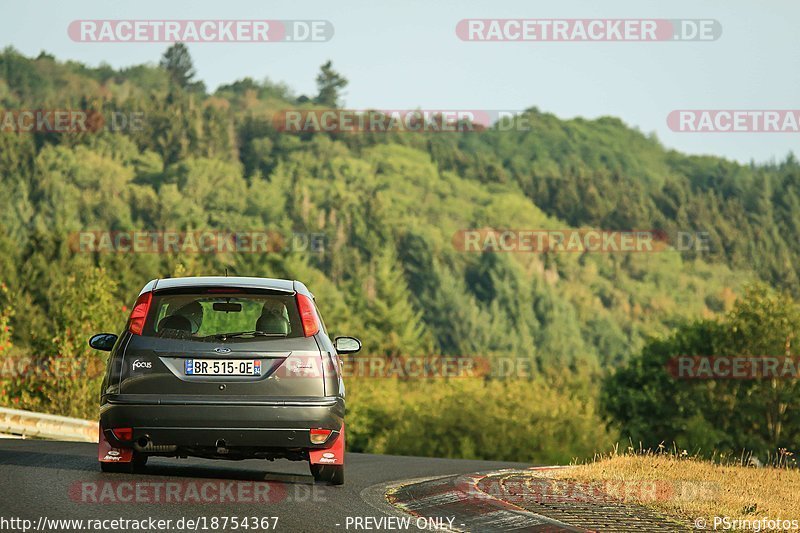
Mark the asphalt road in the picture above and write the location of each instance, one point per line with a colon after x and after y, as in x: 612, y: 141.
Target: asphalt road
x: 62, y: 480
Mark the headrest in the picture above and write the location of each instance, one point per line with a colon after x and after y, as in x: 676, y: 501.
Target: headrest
x: 271, y: 322
x: 176, y: 322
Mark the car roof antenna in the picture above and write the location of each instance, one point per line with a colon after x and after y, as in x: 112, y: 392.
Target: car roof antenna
x: 226, y: 272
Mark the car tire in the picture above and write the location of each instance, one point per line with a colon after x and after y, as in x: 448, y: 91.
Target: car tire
x: 139, y: 462
x: 333, y: 474
x: 117, y: 468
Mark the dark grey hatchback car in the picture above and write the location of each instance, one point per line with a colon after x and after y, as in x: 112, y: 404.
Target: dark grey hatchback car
x: 224, y: 368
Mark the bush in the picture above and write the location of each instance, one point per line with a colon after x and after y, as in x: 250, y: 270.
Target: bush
x: 537, y: 421
x: 66, y: 379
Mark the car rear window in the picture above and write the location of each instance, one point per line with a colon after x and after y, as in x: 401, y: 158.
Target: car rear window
x: 215, y: 315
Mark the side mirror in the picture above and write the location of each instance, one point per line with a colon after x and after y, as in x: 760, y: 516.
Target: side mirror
x: 346, y: 344
x: 103, y: 341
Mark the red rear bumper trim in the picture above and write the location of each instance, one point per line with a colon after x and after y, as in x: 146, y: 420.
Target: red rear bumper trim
x: 334, y: 455
x: 108, y: 454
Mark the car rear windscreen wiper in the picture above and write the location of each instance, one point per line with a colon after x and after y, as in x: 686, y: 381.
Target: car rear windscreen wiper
x: 253, y: 333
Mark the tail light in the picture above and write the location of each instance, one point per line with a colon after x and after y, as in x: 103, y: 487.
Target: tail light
x: 139, y: 313
x: 124, y: 434
x: 319, y: 436
x: 308, y: 315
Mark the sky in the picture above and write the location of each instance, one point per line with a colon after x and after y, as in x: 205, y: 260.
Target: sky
x: 406, y: 55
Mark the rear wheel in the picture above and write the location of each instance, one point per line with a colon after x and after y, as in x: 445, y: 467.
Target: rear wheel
x: 333, y: 474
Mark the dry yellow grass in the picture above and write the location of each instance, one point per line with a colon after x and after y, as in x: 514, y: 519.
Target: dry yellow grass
x: 695, y: 488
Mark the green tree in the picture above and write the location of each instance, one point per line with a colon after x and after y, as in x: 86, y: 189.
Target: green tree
x: 6, y: 313
x: 66, y: 378
x: 392, y: 326
x: 178, y: 63
x: 725, y: 415
x: 330, y: 83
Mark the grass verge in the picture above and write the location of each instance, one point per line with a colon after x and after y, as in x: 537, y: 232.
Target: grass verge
x: 687, y: 488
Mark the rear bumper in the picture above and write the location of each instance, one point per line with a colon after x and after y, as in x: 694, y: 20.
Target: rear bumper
x: 196, y: 422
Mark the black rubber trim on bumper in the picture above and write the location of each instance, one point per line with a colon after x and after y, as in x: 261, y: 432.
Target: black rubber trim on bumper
x: 196, y: 422
x: 150, y: 399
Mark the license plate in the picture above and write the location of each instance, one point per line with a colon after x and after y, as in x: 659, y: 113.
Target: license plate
x: 222, y: 367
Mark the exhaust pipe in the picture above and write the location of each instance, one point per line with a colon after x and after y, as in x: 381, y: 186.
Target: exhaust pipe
x: 144, y: 444
x: 221, y: 448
